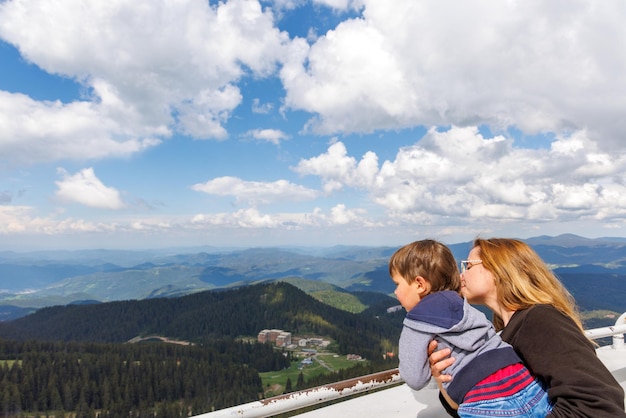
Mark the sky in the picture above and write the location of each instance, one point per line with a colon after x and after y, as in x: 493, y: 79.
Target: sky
x: 165, y: 123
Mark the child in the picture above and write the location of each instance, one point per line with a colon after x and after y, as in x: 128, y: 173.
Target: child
x: 487, y: 374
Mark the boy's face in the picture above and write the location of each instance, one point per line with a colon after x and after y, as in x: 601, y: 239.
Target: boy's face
x: 408, y: 294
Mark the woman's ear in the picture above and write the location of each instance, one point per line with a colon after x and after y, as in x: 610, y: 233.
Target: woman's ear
x: 422, y: 285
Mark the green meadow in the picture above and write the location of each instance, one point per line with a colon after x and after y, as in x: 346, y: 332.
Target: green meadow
x: 274, y: 383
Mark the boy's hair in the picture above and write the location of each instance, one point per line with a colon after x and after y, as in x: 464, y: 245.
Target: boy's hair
x: 429, y: 259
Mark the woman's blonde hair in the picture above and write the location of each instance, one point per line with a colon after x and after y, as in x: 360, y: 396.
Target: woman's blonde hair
x: 429, y: 259
x: 523, y: 279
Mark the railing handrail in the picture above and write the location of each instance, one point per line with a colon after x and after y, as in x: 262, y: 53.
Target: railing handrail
x: 617, y: 331
x: 308, y: 397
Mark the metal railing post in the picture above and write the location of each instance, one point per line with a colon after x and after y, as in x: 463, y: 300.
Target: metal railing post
x: 618, y: 339
x: 616, y: 331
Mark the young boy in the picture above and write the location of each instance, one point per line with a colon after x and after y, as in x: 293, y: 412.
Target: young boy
x: 487, y: 374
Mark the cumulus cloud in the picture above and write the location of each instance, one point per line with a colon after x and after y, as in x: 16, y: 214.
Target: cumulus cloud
x: 340, y: 215
x: 23, y: 220
x: 253, y: 218
x: 255, y: 192
x: 458, y: 173
x: 261, y: 108
x: 337, y: 169
x: 535, y: 66
x: 151, y: 68
x: 269, y: 135
x: 15, y: 219
x: 85, y: 188
x: 33, y: 131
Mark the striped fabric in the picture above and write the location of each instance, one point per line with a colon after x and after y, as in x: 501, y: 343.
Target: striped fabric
x: 505, y: 382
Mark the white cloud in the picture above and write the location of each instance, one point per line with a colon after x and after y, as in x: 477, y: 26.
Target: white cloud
x: 150, y: 70
x: 270, y: 135
x: 339, y: 215
x: 12, y: 218
x: 349, y: 79
x: 253, y: 218
x: 32, y: 131
x: 18, y: 220
x: 255, y: 192
x: 457, y: 175
x: 244, y: 218
x: 337, y: 169
x: 340, y: 4
x: 203, y: 116
x: 533, y: 65
x: 85, y: 188
x: 150, y: 67
x: 258, y: 107
x: 496, y: 180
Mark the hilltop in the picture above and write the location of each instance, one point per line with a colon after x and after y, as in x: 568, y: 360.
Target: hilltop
x: 212, y: 315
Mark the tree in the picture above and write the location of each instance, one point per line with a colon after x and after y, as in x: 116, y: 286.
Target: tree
x: 300, y: 382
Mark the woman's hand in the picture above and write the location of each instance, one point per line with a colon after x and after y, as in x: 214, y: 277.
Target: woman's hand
x: 439, y: 361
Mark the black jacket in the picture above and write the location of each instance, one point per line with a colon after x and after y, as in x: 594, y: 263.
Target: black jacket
x: 554, y: 350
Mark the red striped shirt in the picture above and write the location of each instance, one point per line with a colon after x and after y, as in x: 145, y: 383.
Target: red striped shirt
x: 505, y: 382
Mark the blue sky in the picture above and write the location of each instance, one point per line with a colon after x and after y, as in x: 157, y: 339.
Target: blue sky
x: 154, y: 123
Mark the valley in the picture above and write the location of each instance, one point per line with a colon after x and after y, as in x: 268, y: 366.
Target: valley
x: 207, y: 308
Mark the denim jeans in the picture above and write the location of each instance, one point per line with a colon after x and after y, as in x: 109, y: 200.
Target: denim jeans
x: 531, y: 402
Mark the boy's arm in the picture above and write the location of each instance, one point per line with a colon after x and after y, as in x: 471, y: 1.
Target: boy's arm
x: 413, y: 356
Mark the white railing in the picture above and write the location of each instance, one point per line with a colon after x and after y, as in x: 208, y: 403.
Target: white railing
x: 308, y: 397
x: 617, y: 331
x: 347, y: 388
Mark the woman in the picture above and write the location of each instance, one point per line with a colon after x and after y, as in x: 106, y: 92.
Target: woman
x: 538, y: 318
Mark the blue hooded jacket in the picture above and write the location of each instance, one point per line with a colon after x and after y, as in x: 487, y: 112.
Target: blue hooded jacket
x: 454, y: 323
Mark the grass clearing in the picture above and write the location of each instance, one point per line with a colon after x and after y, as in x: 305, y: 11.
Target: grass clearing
x: 274, y: 383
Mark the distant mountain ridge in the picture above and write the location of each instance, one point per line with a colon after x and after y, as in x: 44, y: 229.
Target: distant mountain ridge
x: 177, y: 274
x: 34, y: 280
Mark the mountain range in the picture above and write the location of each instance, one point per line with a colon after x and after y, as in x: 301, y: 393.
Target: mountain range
x: 594, y: 270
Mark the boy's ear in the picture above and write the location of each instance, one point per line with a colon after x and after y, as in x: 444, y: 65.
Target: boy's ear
x: 422, y: 285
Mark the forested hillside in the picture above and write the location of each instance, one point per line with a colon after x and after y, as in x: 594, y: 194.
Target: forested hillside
x: 208, y: 315
x: 75, y: 358
x: 138, y: 380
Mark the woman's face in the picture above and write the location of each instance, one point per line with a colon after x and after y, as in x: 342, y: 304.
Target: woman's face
x: 477, y: 283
